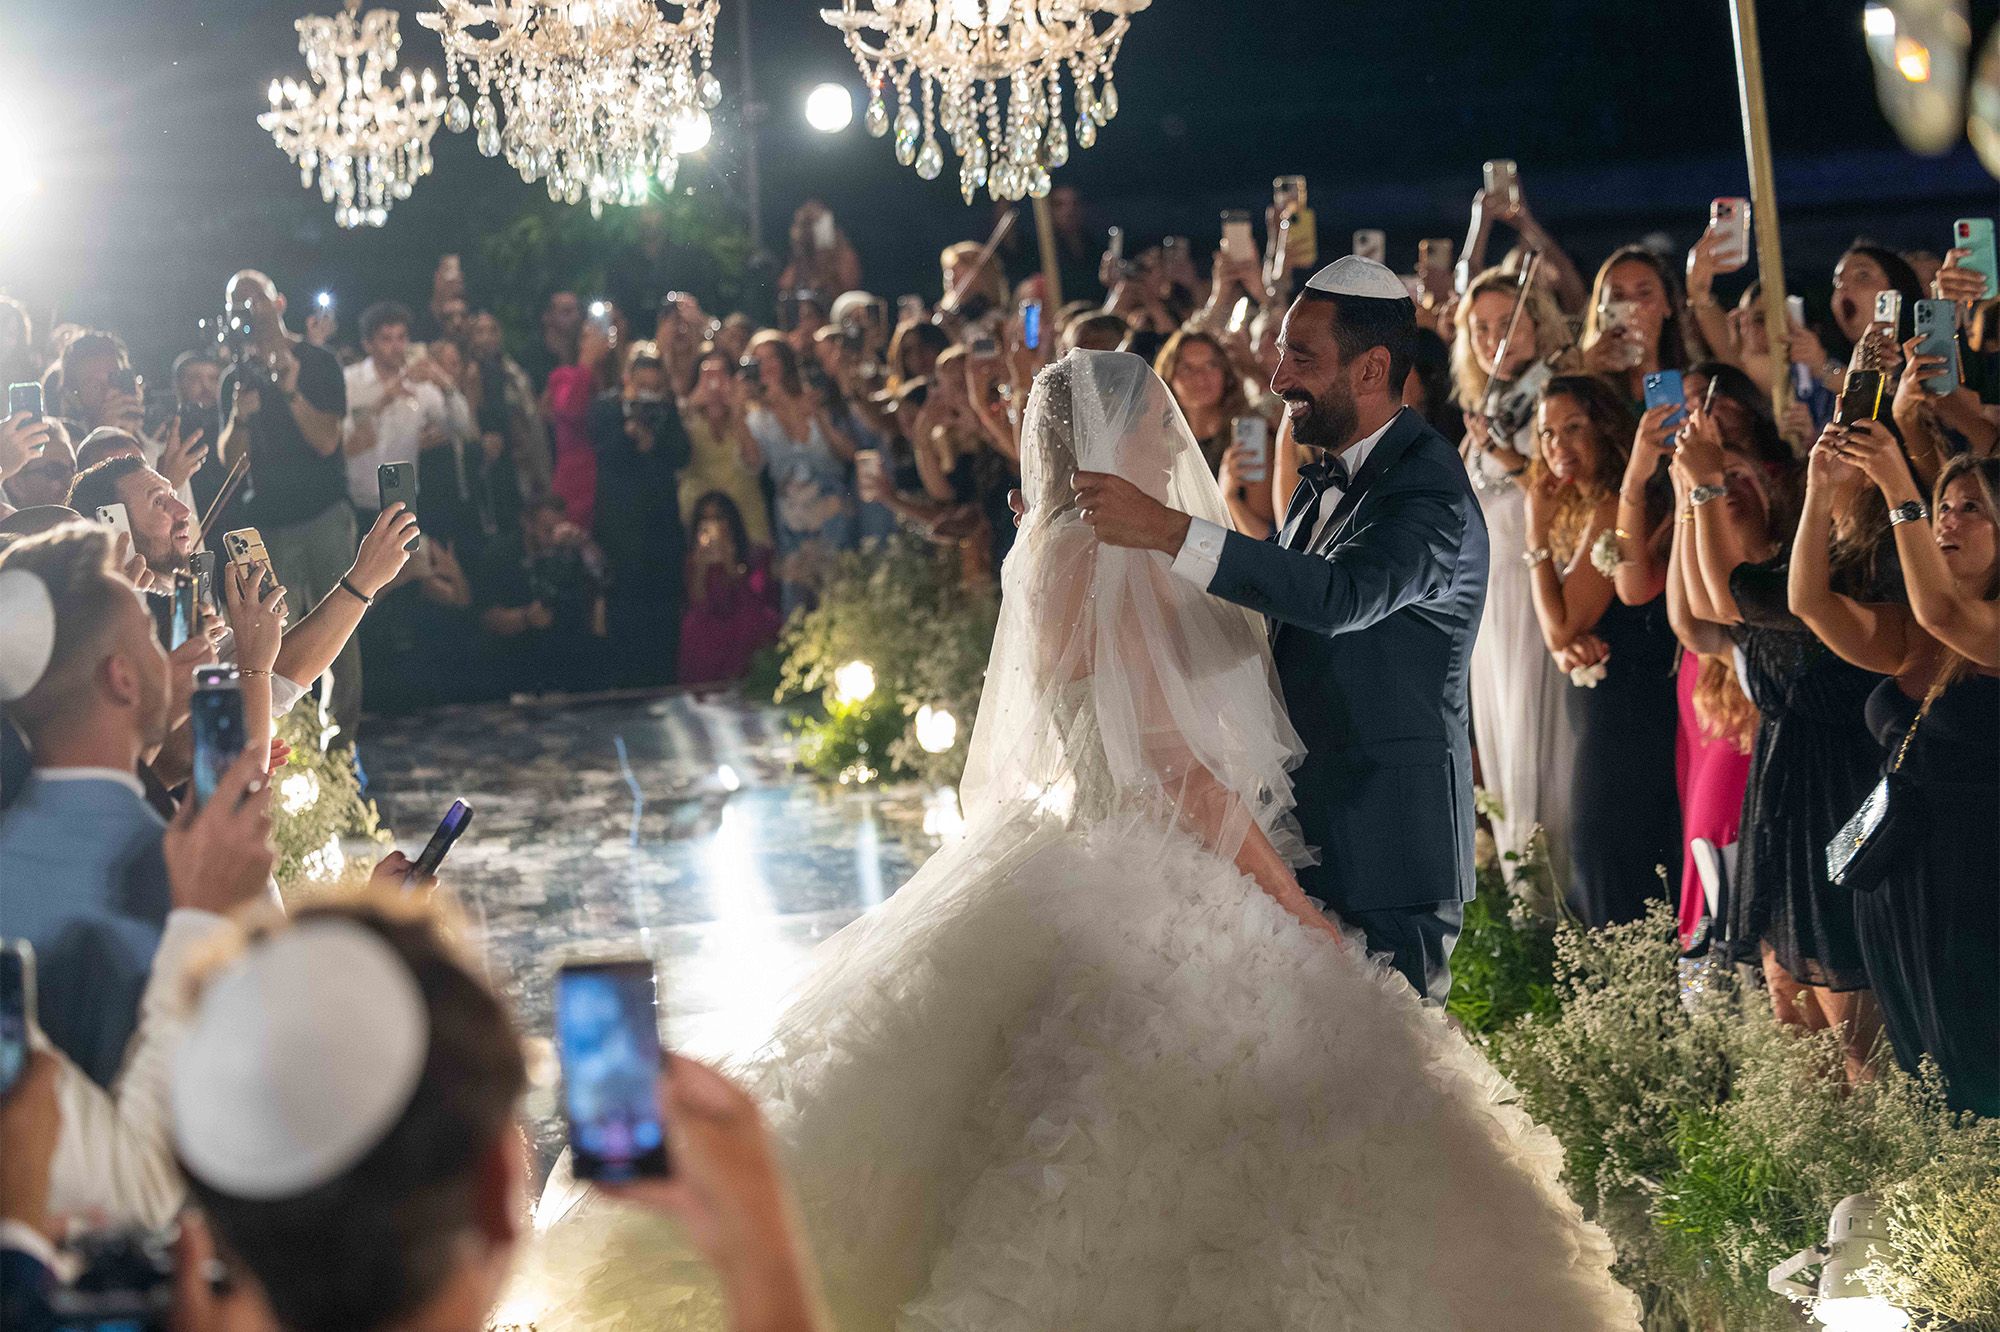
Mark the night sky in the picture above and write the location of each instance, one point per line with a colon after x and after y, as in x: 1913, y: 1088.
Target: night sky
x: 139, y: 115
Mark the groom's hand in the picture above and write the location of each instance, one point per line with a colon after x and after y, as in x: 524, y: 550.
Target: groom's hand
x: 1123, y: 515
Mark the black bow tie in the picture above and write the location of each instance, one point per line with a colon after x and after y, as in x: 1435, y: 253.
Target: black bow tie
x: 1330, y: 470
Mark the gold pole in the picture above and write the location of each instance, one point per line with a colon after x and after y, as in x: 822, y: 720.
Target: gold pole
x: 1045, y: 241
x: 1763, y: 196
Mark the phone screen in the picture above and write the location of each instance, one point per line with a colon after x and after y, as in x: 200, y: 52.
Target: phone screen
x: 1936, y: 323
x: 456, y: 820
x: 1031, y: 325
x: 17, y: 1010
x: 397, y: 483
x: 218, y: 727
x: 185, y: 611
x: 1253, y: 433
x: 25, y: 398
x: 608, y: 1041
x: 201, y: 572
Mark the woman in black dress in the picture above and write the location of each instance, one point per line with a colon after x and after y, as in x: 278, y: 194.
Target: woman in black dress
x: 1930, y: 930
x: 1625, y: 815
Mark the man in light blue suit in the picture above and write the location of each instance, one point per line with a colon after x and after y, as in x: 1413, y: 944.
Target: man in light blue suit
x: 1374, y: 587
x: 82, y: 876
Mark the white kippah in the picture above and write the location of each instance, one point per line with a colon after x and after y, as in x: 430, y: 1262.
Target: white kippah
x: 301, y: 1057
x: 27, y: 632
x: 1351, y: 275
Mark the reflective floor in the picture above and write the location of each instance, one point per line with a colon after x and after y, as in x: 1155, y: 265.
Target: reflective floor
x: 672, y: 827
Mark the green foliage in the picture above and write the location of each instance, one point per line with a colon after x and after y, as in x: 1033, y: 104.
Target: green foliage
x: 1503, y: 967
x: 901, y: 607
x: 318, y: 805
x: 1713, y: 1144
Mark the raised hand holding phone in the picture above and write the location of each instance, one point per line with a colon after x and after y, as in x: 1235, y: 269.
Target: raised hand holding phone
x: 23, y: 437
x: 218, y: 852
x: 384, y: 550
x: 608, y: 1042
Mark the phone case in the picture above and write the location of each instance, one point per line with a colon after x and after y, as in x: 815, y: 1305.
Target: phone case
x: 1663, y: 387
x: 1976, y: 234
x: 1937, y: 325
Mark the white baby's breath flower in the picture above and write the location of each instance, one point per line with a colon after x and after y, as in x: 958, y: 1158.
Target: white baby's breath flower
x: 1589, y: 677
x: 1604, y: 552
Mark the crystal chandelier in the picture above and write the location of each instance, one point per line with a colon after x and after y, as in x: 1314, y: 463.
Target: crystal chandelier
x: 595, y: 97
x: 963, y: 51
x: 368, y: 140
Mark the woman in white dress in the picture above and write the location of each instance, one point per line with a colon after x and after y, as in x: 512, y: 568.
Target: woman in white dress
x: 1099, y: 1065
x: 1520, y: 721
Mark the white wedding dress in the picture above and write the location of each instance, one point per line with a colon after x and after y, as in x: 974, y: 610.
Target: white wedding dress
x: 1082, y: 1073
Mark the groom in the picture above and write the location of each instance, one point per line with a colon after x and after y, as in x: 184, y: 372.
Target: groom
x: 1374, y: 586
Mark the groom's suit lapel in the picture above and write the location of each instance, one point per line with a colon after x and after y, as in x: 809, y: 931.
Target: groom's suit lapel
x: 1395, y: 442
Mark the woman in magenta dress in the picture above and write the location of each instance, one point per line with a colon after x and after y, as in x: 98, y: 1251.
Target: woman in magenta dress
x: 732, y: 611
x: 566, y: 403
x: 1712, y: 765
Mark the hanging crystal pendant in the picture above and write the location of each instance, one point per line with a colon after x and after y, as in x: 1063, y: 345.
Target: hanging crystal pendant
x: 457, y: 116
x: 876, y: 117
x: 907, y: 130
x: 1107, y: 101
x: 711, y: 90
x: 1055, y: 148
x: 930, y: 160
x: 1086, y: 130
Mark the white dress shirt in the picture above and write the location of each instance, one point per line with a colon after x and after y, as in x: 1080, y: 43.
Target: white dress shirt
x: 1201, y: 552
x: 399, y: 427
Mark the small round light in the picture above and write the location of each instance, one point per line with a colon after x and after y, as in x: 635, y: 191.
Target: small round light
x: 691, y: 133
x: 829, y: 108
x: 937, y: 729
x: 854, y: 683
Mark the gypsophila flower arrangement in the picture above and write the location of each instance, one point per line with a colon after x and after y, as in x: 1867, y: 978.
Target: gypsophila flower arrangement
x: 1604, y: 552
x: 319, y: 807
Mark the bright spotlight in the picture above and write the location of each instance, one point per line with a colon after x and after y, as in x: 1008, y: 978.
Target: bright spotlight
x: 854, y: 683
x: 691, y: 133
x: 829, y: 108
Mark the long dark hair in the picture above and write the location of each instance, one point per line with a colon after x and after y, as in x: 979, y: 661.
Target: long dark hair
x: 788, y: 360
x: 1673, y: 348
x: 1610, y: 417
x: 732, y: 518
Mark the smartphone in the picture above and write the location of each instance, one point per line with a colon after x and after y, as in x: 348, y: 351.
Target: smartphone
x: 1614, y: 315
x: 187, y: 611
x: 982, y: 347
x: 1114, y: 246
x: 1370, y: 244
x: 1729, y: 218
x: 116, y: 517
x: 1300, y: 228
x: 1503, y: 182
x: 910, y: 310
x: 1860, y: 399
x: 24, y: 398
x: 397, y: 483
x: 599, y: 317
x: 824, y: 234
x: 1434, y: 256
x: 449, y: 267
x: 1889, y: 311
x: 201, y: 574
x: 217, y: 708
x: 17, y: 1009
x: 1976, y: 234
x: 608, y: 1043
x: 1937, y: 329
x: 1795, y: 308
x: 245, y: 546
x: 1663, y: 387
x: 1253, y: 434
x: 1031, y: 325
x: 456, y: 820
x: 1239, y: 246
x: 868, y: 474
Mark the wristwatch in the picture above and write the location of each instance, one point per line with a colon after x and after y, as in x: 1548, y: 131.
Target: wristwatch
x: 1910, y: 511
x: 1701, y: 495
x: 1539, y: 555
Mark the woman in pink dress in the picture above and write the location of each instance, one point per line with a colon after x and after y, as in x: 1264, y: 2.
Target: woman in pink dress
x: 732, y: 612
x: 566, y: 404
x: 1712, y: 766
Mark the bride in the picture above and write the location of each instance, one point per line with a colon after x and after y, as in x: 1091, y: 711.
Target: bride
x: 1100, y: 1064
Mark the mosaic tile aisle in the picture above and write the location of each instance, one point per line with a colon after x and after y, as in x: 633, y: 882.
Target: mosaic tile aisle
x: 671, y: 826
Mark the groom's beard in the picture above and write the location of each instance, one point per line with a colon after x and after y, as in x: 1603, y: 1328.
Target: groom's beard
x: 1330, y: 418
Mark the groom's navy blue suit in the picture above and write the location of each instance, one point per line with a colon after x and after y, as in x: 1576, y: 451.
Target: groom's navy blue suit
x: 1374, y: 622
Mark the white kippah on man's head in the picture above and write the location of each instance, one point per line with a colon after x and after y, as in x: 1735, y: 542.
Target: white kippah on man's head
x: 1351, y: 275
x: 27, y: 632
x: 302, y: 1056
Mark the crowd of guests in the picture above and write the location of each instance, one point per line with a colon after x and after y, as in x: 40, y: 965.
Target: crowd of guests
x: 1712, y: 629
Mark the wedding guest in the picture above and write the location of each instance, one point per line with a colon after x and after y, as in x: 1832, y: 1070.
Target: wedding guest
x: 641, y: 447
x: 822, y: 259
x: 807, y: 459
x: 1636, y: 322
x: 1520, y: 698
x: 409, y: 1207
x: 1813, y: 760
x: 571, y: 390
x: 1863, y: 273
x: 715, y: 434
x: 507, y: 406
x: 43, y: 478
x: 1427, y: 390
x: 1928, y: 929
x: 914, y: 350
x: 732, y: 612
x: 1624, y: 822
x: 1195, y: 367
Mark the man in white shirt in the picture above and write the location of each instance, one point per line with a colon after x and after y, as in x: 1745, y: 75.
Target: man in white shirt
x: 396, y: 406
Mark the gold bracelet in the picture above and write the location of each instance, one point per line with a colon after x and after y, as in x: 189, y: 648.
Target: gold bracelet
x: 1686, y: 516
x: 1621, y: 534
x: 252, y: 672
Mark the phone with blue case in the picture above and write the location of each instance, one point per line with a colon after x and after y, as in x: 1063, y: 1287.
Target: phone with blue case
x: 1937, y: 327
x: 1976, y: 234
x: 1664, y: 386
